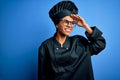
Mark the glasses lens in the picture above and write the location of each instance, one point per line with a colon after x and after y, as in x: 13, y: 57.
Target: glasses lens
x: 66, y: 23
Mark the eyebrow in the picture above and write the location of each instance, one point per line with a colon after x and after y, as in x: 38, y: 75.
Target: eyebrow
x: 67, y: 20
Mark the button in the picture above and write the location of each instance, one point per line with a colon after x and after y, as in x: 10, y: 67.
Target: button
x: 67, y: 48
x: 57, y: 48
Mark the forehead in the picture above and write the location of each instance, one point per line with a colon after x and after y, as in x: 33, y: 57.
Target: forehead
x: 67, y: 18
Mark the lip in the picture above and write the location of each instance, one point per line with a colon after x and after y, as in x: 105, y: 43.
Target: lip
x: 68, y: 30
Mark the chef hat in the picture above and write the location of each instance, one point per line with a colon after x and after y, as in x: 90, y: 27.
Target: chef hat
x: 62, y: 9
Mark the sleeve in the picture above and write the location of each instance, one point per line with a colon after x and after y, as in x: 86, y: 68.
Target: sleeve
x: 96, y: 41
x: 41, y: 62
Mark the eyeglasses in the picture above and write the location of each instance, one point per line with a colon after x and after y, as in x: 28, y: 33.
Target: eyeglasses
x: 67, y: 23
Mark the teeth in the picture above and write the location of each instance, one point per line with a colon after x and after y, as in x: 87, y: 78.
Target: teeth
x: 68, y: 30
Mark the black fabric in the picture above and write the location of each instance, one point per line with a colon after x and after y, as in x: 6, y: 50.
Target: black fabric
x: 60, y: 15
x: 62, y: 9
x: 73, y: 60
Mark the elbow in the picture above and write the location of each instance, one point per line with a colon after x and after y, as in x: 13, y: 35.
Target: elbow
x: 99, y: 47
x: 103, y: 46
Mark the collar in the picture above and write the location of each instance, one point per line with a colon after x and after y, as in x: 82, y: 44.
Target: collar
x: 66, y: 44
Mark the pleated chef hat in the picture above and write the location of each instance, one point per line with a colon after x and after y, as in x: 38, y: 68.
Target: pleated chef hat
x: 62, y: 9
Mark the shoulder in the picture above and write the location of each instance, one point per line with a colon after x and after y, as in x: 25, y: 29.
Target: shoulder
x: 47, y: 41
x: 76, y: 36
x: 79, y: 38
x: 44, y: 45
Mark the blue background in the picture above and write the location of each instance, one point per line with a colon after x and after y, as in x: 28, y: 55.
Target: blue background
x: 24, y: 24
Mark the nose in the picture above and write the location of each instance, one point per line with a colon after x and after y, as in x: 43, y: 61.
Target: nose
x: 70, y: 25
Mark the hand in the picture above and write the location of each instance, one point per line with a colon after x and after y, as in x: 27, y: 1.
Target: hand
x: 79, y: 20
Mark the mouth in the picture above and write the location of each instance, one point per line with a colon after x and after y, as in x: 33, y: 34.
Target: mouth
x: 68, y: 30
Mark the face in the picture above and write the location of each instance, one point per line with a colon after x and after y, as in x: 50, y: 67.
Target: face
x: 65, y: 26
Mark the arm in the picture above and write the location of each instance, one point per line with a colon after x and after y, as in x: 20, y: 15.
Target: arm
x: 41, y: 63
x: 81, y: 23
x: 96, y: 41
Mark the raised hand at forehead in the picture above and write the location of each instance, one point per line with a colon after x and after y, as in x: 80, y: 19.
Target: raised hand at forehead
x: 79, y: 20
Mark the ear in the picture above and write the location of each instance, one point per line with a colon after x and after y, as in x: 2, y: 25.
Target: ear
x: 56, y: 26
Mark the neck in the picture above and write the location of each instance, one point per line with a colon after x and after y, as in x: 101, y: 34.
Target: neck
x: 61, y: 39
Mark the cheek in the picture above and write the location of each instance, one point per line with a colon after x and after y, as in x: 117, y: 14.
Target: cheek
x: 60, y: 28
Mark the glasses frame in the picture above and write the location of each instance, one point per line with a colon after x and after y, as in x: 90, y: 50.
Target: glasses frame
x: 67, y: 22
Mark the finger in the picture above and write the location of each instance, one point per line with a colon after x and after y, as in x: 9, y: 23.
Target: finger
x: 73, y: 16
x: 76, y: 17
x: 79, y: 17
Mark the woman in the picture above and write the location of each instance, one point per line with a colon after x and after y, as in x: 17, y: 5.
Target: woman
x: 64, y: 57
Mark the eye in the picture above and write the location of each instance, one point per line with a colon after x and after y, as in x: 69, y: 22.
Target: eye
x: 64, y: 20
x: 67, y: 21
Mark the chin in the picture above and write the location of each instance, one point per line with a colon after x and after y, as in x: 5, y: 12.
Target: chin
x: 67, y: 34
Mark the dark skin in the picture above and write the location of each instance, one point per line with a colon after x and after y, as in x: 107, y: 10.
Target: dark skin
x: 64, y: 31
x: 81, y: 22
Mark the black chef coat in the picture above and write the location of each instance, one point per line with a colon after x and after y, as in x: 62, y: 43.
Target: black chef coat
x: 72, y: 61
